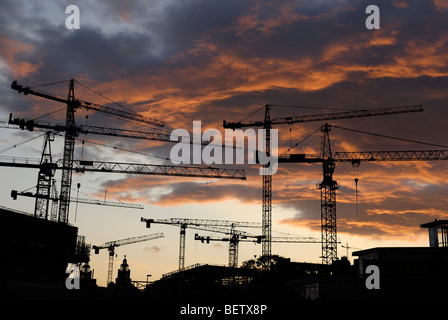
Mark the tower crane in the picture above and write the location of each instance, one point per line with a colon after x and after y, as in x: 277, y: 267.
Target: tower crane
x: 268, y: 123
x: 236, y: 238
x: 347, y: 247
x: 220, y: 226
x: 71, y: 133
x: 328, y: 186
x: 111, y: 245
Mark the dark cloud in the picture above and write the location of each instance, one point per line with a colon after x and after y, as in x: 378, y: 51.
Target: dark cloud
x: 223, y: 60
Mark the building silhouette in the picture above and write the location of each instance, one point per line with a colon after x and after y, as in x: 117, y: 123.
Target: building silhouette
x: 124, y: 274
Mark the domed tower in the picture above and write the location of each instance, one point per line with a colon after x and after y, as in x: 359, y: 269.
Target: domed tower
x: 124, y: 274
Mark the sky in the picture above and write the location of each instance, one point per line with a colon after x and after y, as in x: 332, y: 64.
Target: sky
x: 209, y: 61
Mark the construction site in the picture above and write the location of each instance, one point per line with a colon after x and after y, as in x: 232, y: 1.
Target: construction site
x: 46, y: 257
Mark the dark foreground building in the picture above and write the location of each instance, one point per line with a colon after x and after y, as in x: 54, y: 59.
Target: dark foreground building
x: 35, y: 254
x: 286, y: 281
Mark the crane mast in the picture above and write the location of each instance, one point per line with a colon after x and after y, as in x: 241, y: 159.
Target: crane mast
x: 267, y: 180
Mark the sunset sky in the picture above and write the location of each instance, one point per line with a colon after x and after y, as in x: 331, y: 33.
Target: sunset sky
x: 181, y: 61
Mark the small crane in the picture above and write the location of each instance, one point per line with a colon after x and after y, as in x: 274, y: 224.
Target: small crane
x: 111, y: 245
x: 347, y: 247
x: 220, y: 226
x: 71, y: 132
x: 236, y: 237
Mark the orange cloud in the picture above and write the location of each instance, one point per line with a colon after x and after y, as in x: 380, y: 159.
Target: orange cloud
x: 283, y: 15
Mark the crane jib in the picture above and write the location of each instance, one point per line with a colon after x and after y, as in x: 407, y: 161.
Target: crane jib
x: 349, y: 114
x: 82, y: 166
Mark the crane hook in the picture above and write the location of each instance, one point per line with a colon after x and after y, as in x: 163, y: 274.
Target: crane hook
x: 356, y: 195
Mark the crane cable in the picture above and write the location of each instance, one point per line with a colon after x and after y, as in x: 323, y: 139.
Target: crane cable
x: 314, y: 108
x: 301, y: 141
x: 20, y: 143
